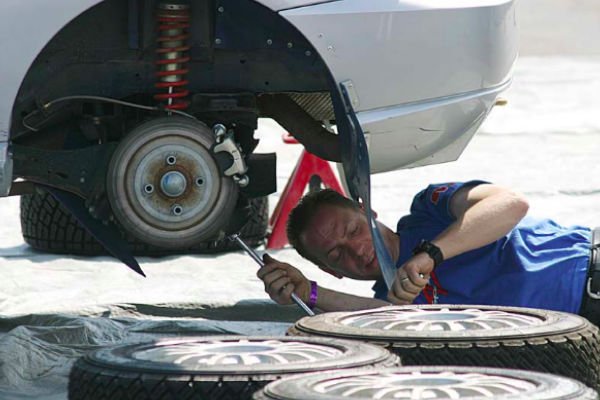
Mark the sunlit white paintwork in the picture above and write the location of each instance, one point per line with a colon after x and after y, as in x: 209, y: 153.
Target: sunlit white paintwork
x: 425, y: 133
x: 425, y: 73
x: 26, y: 26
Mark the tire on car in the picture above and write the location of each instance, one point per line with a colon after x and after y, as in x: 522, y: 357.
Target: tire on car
x: 468, y: 335
x: 49, y: 227
x: 214, y: 368
x: 427, y: 382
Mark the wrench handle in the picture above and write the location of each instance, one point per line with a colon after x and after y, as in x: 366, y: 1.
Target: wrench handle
x: 260, y: 262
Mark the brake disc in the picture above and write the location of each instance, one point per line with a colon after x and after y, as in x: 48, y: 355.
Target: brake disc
x: 166, y: 188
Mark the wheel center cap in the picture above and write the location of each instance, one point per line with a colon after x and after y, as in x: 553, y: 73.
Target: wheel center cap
x: 173, y: 184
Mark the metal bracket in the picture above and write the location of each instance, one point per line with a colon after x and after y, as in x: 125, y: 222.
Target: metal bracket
x: 351, y: 91
x: 355, y: 157
x: 226, y: 144
x: 6, y: 169
x: 590, y: 292
x: 107, y: 235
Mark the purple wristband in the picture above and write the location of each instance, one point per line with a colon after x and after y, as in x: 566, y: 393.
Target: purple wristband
x: 312, y: 301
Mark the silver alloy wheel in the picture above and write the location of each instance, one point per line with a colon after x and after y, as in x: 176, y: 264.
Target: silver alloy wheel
x: 416, y: 385
x: 212, y: 367
x: 424, y: 322
x: 475, y: 335
x: 152, y: 184
x: 443, y: 319
x: 431, y: 383
x: 239, y: 354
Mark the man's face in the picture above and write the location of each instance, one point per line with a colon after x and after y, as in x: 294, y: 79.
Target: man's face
x: 340, y: 239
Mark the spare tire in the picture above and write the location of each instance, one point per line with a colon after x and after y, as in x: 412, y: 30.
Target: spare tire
x: 218, y: 367
x: 510, y: 337
x: 49, y: 227
x: 432, y: 383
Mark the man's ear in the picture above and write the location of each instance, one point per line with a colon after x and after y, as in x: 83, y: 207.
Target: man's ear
x: 362, y: 209
x: 331, y: 272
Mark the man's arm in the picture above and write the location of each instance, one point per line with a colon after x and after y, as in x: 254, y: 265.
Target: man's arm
x: 282, y: 279
x: 484, y: 213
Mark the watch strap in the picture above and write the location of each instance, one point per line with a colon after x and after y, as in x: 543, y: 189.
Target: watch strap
x: 432, y: 250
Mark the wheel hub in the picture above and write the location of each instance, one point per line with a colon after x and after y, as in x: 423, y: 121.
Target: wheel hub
x: 173, y: 184
x: 166, y: 188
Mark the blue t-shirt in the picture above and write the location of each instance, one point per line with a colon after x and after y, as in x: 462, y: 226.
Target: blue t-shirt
x: 538, y: 264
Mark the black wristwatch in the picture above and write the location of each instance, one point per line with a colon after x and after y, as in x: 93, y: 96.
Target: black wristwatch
x: 432, y: 250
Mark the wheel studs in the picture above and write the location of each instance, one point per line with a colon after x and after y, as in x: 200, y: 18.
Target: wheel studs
x: 199, y: 181
x: 171, y: 160
x: 149, y: 188
x: 177, y: 209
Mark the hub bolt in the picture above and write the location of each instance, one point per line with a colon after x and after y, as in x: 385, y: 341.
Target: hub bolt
x: 149, y: 188
x: 177, y: 209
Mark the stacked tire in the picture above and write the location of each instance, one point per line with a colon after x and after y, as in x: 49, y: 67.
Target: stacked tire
x: 214, y: 368
x: 427, y: 383
x: 456, y: 352
x: 484, y: 336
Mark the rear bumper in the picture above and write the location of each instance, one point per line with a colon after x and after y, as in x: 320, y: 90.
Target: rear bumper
x: 424, y: 75
x: 424, y: 133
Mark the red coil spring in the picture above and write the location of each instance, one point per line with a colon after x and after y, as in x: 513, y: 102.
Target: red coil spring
x: 173, y: 23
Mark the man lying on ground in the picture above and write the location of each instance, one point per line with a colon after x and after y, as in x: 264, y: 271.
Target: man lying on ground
x: 462, y: 243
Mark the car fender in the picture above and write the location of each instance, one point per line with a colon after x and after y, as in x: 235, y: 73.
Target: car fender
x: 25, y: 28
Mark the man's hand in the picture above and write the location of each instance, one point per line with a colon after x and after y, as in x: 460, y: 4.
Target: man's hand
x: 281, y: 280
x: 411, y: 278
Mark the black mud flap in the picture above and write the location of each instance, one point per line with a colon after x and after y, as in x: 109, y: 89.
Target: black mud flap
x: 107, y: 235
x: 355, y: 158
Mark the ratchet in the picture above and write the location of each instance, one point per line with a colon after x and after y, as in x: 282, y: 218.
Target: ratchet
x: 236, y: 237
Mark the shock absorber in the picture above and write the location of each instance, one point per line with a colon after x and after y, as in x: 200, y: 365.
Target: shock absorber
x: 172, y: 46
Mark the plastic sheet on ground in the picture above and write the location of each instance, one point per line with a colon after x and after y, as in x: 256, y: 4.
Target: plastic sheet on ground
x: 53, y: 309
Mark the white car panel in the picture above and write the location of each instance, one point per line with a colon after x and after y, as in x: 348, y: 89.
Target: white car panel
x: 430, y: 49
x: 444, y: 65
x: 30, y: 35
x: 424, y: 133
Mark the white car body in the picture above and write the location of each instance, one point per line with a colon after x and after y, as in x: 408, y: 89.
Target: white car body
x: 424, y: 74
x: 418, y: 76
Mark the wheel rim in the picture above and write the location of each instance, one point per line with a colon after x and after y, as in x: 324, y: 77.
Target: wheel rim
x: 236, y: 355
x: 165, y: 187
x: 416, y: 385
x: 238, y: 352
x: 424, y: 383
x: 433, y: 323
x: 423, y: 320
